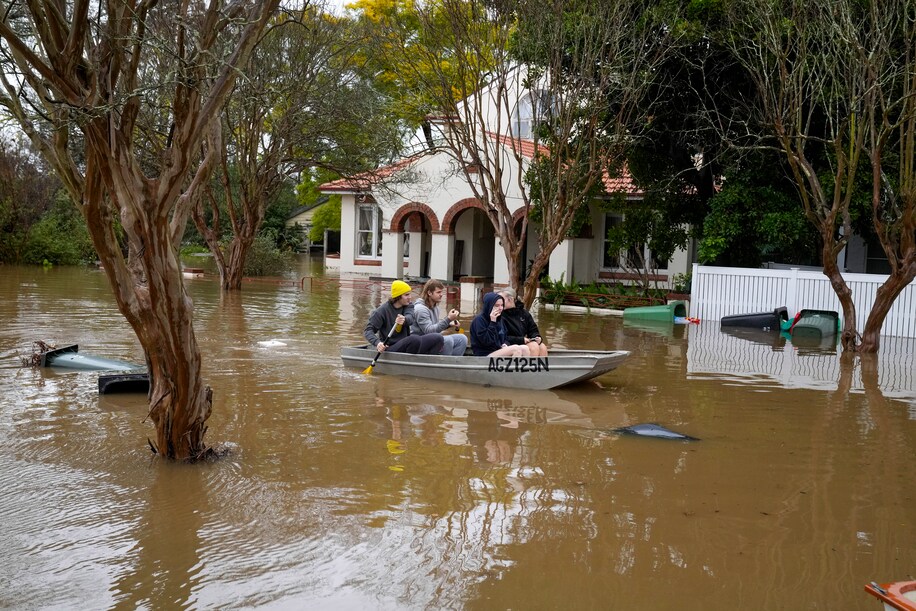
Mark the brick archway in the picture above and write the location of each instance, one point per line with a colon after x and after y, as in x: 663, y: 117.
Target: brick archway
x: 399, y: 220
x: 517, y: 217
x: 448, y: 223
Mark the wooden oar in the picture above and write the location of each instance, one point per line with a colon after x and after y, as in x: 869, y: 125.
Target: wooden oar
x: 368, y: 370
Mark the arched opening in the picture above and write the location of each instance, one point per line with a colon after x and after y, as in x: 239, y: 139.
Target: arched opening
x: 474, y: 243
x: 415, y: 222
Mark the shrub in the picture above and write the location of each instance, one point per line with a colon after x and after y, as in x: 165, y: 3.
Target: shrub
x: 60, y: 237
x: 682, y: 282
x: 266, y: 259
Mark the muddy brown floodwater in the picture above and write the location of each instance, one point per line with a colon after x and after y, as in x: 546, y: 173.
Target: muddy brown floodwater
x: 354, y: 492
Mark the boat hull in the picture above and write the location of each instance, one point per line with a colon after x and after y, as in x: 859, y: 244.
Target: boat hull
x: 560, y: 368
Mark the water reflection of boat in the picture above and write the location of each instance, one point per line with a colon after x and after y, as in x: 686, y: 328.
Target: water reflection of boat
x: 899, y: 596
x: 515, y: 406
x: 560, y: 368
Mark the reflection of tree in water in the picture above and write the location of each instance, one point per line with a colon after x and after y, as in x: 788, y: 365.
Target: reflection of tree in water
x: 818, y: 490
x: 166, y: 569
x: 342, y: 306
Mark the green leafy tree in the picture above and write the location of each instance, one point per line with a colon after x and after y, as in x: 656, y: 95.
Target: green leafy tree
x: 60, y: 237
x: 326, y: 218
x: 590, y: 64
x: 755, y: 217
x: 27, y: 190
x: 579, y: 64
x: 305, y: 102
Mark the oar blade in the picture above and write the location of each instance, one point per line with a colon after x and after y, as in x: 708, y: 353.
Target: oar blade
x: 368, y: 370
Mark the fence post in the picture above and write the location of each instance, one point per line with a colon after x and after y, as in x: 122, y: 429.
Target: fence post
x: 792, y: 292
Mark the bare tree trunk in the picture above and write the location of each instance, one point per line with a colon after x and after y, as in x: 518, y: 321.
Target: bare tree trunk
x: 884, y: 299
x: 235, y: 266
x: 150, y: 293
x: 849, y: 335
x: 533, y: 281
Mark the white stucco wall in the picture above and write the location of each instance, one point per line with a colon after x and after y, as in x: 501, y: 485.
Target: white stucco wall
x: 436, y: 181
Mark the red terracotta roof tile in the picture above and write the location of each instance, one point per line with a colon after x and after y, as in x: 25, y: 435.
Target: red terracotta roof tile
x: 619, y: 184
x: 366, y: 180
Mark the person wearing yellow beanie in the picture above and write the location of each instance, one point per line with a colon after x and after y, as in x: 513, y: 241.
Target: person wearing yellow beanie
x: 398, y: 288
x: 388, y: 328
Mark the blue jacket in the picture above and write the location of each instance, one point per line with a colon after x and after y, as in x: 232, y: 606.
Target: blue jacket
x: 487, y: 336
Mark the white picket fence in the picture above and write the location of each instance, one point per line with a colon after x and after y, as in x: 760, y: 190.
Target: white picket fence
x: 723, y: 291
x: 739, y: 360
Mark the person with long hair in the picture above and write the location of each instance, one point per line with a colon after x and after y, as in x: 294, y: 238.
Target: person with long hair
x: 427, y: 320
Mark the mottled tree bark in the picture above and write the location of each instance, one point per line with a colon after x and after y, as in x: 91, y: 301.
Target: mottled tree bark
x: 139, y: 173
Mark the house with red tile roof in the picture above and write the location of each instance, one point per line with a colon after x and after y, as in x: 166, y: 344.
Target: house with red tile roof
x: 420, y: 218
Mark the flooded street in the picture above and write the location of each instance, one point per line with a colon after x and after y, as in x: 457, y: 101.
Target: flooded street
x: 371, y: 492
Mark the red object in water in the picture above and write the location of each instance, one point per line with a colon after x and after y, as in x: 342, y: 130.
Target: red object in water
x: 899, y: 595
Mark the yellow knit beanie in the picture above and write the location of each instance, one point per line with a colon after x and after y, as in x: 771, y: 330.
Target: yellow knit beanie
x: 398, y: 288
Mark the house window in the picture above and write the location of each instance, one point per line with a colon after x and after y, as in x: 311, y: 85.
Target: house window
x: 610, y: 260
x: 369, y: 231
x: 532, y: 109
x: 633, y: 257
x: 522, y: 123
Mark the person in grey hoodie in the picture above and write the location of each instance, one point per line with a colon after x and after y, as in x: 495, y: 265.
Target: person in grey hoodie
x: 426, y: 319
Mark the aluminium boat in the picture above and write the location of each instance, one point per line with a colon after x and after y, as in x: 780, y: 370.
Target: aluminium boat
x: 559, y: 368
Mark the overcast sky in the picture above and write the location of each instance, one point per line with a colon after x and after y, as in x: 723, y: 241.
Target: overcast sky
x: 336, y: 6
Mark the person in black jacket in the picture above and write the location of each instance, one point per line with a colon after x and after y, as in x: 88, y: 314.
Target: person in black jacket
x: 488, y: 335
x: 520, y: 326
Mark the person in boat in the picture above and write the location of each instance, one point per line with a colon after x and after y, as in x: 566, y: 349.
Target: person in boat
x: 426, y: 318
x: 520, y: 326
x: 397, y: 314
x: 488, y: 334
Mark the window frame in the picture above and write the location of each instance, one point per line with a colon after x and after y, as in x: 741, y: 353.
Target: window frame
x: 373, y: 232
x: 612, y: 263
